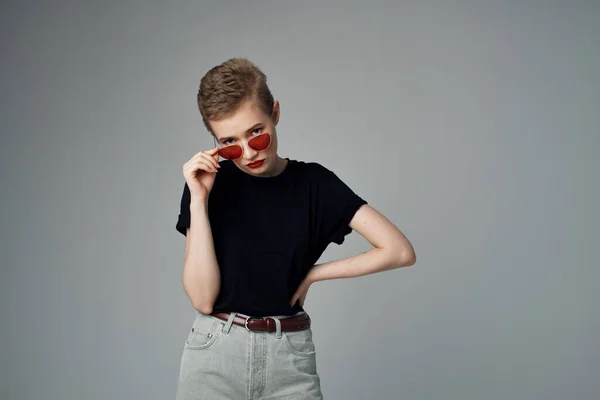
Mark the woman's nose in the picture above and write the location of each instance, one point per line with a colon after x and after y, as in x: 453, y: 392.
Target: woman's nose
x: 249, y: 152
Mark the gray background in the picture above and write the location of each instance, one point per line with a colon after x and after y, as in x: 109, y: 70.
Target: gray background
x: 473, y: 126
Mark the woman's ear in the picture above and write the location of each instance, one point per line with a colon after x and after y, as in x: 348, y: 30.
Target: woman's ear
x: 275, y: 113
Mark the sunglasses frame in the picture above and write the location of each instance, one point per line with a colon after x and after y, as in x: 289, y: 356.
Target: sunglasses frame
x: 242, y: 147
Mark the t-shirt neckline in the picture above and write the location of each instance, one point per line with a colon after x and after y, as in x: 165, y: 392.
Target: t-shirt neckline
x: 281, y: 175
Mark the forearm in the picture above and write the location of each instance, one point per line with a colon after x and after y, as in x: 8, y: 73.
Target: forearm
x: 201, y: 276
x: 372, y: 261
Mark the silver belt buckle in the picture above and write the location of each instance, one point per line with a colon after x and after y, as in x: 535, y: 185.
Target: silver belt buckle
x: 249, y: 318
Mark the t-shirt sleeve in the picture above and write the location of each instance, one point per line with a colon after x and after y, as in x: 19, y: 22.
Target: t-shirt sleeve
x: 183, y: 221
x: 336, y: 205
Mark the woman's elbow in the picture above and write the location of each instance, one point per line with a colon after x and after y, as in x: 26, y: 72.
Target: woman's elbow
x: 200, y: 301
x: 204, y: 308
x: 408, y: 258
x: 405, y: 257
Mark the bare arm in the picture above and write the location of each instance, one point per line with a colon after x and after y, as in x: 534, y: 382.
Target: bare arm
x: 201, y: 276
x: 391, y: 249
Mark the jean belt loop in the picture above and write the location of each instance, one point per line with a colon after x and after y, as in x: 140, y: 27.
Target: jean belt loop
x: 277, y: 327
x: 227, y: 326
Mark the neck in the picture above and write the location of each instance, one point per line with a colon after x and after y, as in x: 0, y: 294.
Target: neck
x: 279, y: 166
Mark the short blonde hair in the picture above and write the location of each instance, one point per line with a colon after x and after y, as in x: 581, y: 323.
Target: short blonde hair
x: 228, y: 85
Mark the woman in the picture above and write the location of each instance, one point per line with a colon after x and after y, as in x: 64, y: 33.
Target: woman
x: 255, y: 225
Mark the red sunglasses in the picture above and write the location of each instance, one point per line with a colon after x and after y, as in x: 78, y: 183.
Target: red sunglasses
x: 235, y: 151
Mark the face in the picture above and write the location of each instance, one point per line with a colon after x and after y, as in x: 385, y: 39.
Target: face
x: 247, y: 122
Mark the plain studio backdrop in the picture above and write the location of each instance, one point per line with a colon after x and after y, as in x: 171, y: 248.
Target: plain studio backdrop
x: 474, y: 126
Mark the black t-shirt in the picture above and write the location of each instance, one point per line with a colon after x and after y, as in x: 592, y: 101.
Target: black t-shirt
x: 269, y: 231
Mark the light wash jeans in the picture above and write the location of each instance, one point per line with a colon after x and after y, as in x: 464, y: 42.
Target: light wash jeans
x: 225, y: 361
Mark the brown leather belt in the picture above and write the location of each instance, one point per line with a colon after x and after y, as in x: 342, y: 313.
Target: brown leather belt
x: 267, y: 324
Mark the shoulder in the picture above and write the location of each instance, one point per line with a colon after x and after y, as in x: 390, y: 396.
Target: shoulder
x: 318, y: 174
x: 312, y: 169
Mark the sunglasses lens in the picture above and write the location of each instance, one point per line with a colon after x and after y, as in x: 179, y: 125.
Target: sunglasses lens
x: 231, y: 152
x: 260, y: 142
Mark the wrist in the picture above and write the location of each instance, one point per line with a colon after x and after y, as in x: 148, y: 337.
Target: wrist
x: 198, y: 203
x: 313, y: 275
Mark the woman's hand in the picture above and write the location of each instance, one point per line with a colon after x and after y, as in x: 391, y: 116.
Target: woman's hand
x: 200, y: 172
x: 303, y: 289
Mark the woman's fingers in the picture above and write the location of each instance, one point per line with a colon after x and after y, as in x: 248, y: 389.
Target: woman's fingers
x: 212, y: 151
x: 205, y: 160
x: 197, y: 163
x: 211, y: 159
x: 205, y: 165
x: 206, y: 156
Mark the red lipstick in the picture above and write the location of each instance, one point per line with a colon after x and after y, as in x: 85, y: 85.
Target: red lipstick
x: 256, y: 164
